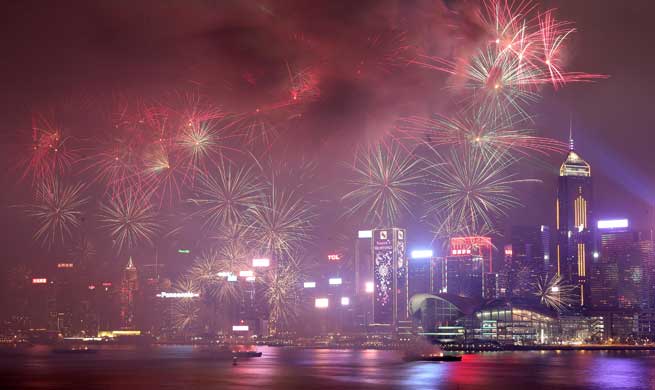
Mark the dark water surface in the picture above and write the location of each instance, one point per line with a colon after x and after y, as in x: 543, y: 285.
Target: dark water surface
x: 279, y: 368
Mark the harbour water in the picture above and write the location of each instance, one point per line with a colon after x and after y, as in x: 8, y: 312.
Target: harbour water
x: 175, y: 367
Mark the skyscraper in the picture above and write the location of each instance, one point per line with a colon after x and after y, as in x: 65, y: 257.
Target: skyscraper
x: 620, y: 271
x: 468, y: 262
x: 529, y: 258
x: 390, y: 294
x: 129, y: 286
x: 574, y: 223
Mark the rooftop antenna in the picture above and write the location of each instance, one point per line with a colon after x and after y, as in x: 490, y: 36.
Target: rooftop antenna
x: 571, y: 145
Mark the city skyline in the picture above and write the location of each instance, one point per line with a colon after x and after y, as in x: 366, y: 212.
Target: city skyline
x: 210, y: 165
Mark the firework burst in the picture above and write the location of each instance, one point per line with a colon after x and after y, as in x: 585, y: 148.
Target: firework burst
x: 225, y: 196
x: 50, y: 152
x: 213, y: 271
x: 57, y: 210
x: 523, y: 52
x: 385, y: 181
x: 185, y: 314
x: 281, y: 291
x: 130, y: 218
x: 554, y: 292
x: 281, y: 222
x: 470, y: 189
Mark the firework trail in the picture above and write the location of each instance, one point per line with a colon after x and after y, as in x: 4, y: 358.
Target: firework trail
x: 385, y: 181
x: 554, y: 293
x: 303, y: 85
x: 469, y: 189
x: 224, y: 196
x: 130, y: 218
x: 57, y: 210
x: 479, y: 131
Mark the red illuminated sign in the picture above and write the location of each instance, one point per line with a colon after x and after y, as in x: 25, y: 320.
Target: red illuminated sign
x: 473, y: 245
x: 65, y: 265
x: 39, y: 280
x: 106, y: 284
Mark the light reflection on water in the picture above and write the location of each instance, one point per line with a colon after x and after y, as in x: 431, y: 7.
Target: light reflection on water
x: 177, y: 367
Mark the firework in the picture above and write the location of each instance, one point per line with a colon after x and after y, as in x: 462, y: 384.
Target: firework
x: 523, y: 53
x: 385, y: 180
x: 554, y: 293
x: 225, y: 196
x: 50, y: 153
x: 57, y: 210
x: 281, y: 291
x: 479, y: 131
x: 116, y: 165
x: 470, y: 189
x: 199, y: 142
x: 303, y: 85
x: 130, y: 218
x: 83, y: 251
x: 185, y: 313
x: 211, y: 273
x: 281, y: 222
x: 164, y: 174
x: 186, y: 284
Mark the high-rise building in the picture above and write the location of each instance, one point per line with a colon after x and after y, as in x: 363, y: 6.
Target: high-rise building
x: 363, y: 281
x: 574, y: 223
x: 419, y: 276
x: 390, y: 287
x: 529, y: 258
x: 620, y: 271
x: 470, y: 258
x: 129, y: 287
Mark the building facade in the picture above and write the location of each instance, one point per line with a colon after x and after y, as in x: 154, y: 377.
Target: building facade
x: 390, y: 286
x: 574, y: 224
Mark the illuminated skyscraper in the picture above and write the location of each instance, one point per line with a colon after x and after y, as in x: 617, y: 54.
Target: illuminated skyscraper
x: 129, y: 286
x: 621, y: 272
x: 574, y: 223
x: 465, y: 268
x: 390, y: 291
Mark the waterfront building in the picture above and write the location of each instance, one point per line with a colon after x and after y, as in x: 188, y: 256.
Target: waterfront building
x: 469, y: 260
x: 129, y: 288
x: 574, y: 223
x: 453, y: 318
x: 621, y: 270
x: 390, y: 287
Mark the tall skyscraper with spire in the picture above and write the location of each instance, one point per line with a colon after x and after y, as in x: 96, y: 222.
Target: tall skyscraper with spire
x: 129, y: 286
x: 574, y: 223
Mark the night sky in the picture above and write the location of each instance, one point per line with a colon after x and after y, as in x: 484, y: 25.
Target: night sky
x: 75, y: 57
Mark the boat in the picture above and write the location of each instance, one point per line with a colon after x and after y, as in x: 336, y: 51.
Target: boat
x: 421, y: 350
x: 228, y: 352
x: 83, y: 349
x: 433, y: 358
